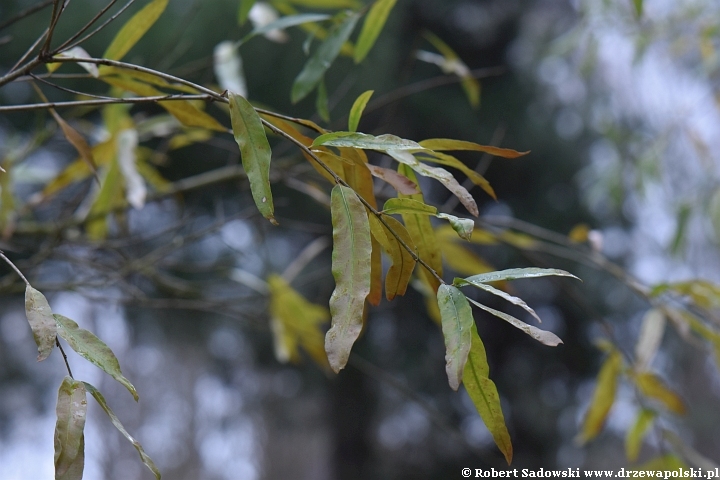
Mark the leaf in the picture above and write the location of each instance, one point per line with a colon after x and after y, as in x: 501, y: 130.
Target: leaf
x: 651, y: 334
x: 423, y: 235
x: 42, y: 324
x: 638, y: 4
x: 134, y: 30
x: 450, y: 161
x: 285, y: 22
x: 92, y: 349
x: 517, y: 273
x: 603, y: 398
x: 186, y: 113
x: 109, y: 196
x: 457, y: 323
x: 462, y: 282
x: 244, y: 10
x: 543, y: 336
x: 352, y: 249
x: 75, y: 52
x: 460, y: 259
x: 374, y: 23
x: 651, y: 386
x: 135, y: 189
x: 116, y: 422
x: 399, y: 182
x: 364, y: 141
x: 484, y: 394
x: 452, y: 64
x: 357, y: 109
x: 666, y: 462
x: 77, y: 141
x: 704, y: 293
x: 255, y: 152
x: 144, y: 77
x: 407, y: 205
x: 403, y: 264
x: 321, y: 103
x: 323, y: 57
x: 462, y: 226
x: 450, y: 144
x: 439, y: 174
x: 71, y: 411
x: 295, y: 322
x: 636, y: 433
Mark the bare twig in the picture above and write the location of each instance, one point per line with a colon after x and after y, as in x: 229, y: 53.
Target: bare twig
x: 67, y: 44
x: 25, y: 13
x: 67, y: 365
x: 104, y: 101
x: 17, y: 270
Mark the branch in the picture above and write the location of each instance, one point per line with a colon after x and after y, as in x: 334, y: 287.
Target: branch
x: 25, y: 13
x: 105, y: 101
x: 17, y: 270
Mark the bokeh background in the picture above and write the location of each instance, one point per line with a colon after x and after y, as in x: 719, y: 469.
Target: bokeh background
x: 620, y: 112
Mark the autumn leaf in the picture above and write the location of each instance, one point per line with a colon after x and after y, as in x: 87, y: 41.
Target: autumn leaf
x: 71, y: 411
x: 457, y: 322
x: 42, y: 324
x: 603, y: 398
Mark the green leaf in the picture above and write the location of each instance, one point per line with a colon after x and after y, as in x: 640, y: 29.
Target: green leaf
x: 286, y: 22
x: 603, y: 398
x: 321, y: 103
x: 636, y: 433
x: 484, y: 394
x: 439, y: 174
x: 255, y: 152
x: 462, y: 226
x: 42, y: 324
x: 450, y: 144
x: 357, y: 109
x: 542, y: 336
x: 364, y: 141
x: 71, y: 411
x: 407, y: 205
x: 517, y: 273
x: 352, y: 248
x: 323, y: 57
x: 457, y: 323
x: 116, y: 422
x: 638, y: 4
x: 461, y: 282
x: 134, y: 29
x: 243, y: 10
x: 374, y: 23
x: 93, y: 350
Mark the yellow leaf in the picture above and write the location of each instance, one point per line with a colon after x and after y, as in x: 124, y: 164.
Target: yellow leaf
x: 374, y: 23
x: 603, y: 398
x: 147, y: 78
x: 134, y: 29
x: 636, y: 433
x: 109, y: 196
x: 651, y: 386
x: 579, y: 233
x: 295, y: 323
x: 450, y: 161
x: 450, y: 144
x: 103, y: 153
x: 403, y: 264
x: 183, y: 110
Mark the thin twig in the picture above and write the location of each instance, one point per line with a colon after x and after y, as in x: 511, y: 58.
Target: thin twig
x: 67, y: 365
x: 54, y: 17
x: 25, y: 55
x: 25, y: 13
x: 106, y: 101
x: 17, y: 270
x: 67, y: 44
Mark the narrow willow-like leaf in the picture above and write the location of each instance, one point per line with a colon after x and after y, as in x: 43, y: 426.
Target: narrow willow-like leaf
x: 542, y: 336
x: 135, y: 188
x: 463, y: 226
x: 42, y: 324
x: 116, y: 422
x: 243, y: 10
x: 323, y: 57
x: 295, y: 323
x: 453, y: 64
x: 360, y: 179
x: 706, y: 294
x: 401, y: 183
x: 459, y: 258
x: 636, y: 433
x: 255, y: 152
x: 457, y: 323
x: 638, y: 4
x: 352, y: 249
x: 374, y: 23
x: 407, y: 205
x: 450, y: 144
x: 603, y: 398
x: 365, y: 141
x: 651, y: 386
x: 110, y: 195
x: 134, y: 29
x: 461, y: 282
x: 651, y: 334
x: 92, y: 349
x: 286, y: 22
x: 423, y: 235
x: 517, y: 273
x: 484, y: 394
x: 321, y: 102
x: 450, y: 161
x: 439, y: 174
x: 186, y: 113
x: 71, y: 411
x: 357, y: 109
x: 145, y: 78
x: 76, y: 140
x: 403, y: 264
x: 75, y: 52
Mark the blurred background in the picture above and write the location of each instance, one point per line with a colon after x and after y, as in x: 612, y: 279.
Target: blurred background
x: 617, y: 101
